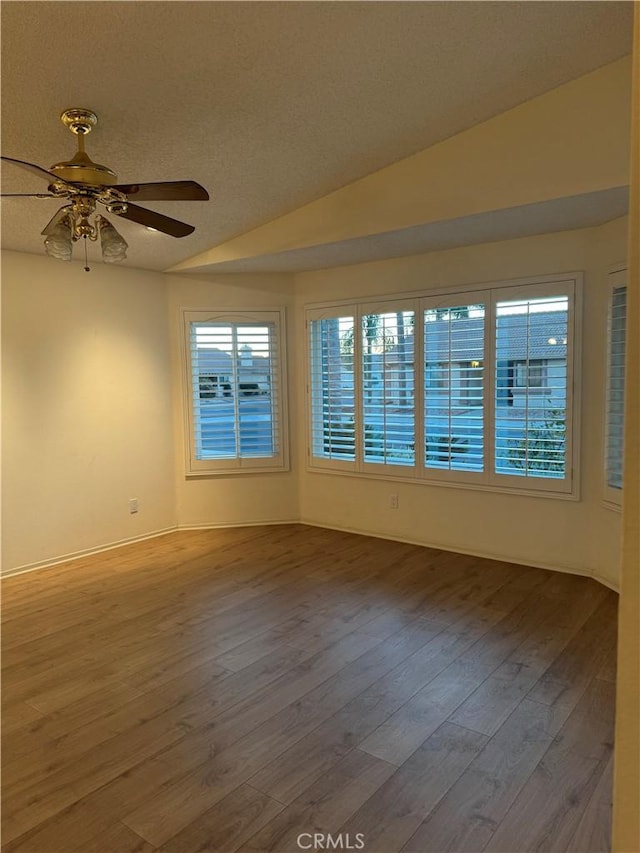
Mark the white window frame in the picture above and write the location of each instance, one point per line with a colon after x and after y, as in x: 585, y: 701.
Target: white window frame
x: 569, y: 284
x: 612, y: 497
x: 279, y: 461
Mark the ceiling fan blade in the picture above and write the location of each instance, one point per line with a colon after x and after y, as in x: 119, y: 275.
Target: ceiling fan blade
x: 48, y: 228
x: 165, y: 191
x: 37, y: 170
x: 159, y: 221
x: 27, y: 195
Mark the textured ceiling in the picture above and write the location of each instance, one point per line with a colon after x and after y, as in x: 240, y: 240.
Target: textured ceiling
x: 270, y: 105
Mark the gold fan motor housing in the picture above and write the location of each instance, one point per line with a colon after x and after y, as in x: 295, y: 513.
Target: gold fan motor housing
x: 82, y: 170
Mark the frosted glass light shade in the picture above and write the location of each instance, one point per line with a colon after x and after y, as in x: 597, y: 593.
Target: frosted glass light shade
x: 58, y: 243
x: 114, y: 246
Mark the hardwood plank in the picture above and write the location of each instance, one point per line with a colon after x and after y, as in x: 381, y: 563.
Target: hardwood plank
x: 548, y: 809
x: 168, y: 726
x: 45, y: 794
x: 496, y: 698
x: 326, y: 805
x: 468, y: 815
x: 594, y: 829
x: 608, y: 670
x: 130, y: 621
x: 389, y: 623
x: 228, y: 825
x: 320, y: 750
x: 204, y: 784
x: 291, y: 719
x: 65, y: 685
x: 80, y: 838
x: 148, y: 733
x: 391, y: 815
x: 566, y: 679
x: 557, y: 625
x: 399, y: 736
x: 520, y: 621
x: 17, y: 715
x: 470, y: 584
x: 314, y: 754
x: 192, y: 674
x: 254, y: 649
x: 34, y: 731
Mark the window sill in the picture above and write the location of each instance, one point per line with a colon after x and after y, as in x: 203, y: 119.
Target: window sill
x: 574, y: 495
x: 237, y: 472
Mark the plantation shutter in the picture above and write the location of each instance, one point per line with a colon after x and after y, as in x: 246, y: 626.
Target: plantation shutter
x: 332, y: 392
x: 615, y: 387
x: 472, y: 387
x: 454, y: 387
x: 388, y: 388
x: 236, y: 394
x: 531, y: 382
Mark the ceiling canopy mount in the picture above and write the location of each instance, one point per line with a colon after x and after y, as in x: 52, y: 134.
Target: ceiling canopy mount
x: 79, y: 120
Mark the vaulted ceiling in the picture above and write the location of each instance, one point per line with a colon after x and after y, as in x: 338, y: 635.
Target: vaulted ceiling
x: 273, y: 105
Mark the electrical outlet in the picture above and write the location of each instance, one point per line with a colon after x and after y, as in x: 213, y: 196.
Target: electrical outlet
x: 133, y: 505
x: 393, y: 502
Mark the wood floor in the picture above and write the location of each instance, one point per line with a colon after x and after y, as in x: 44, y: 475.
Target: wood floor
x: 233, y: 689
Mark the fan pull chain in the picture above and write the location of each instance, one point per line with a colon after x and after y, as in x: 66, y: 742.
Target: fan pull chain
x: 86, y: 258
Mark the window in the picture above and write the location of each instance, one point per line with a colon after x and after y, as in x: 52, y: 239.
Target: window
x: 531, y: 416
x: 332, y: 407
x: 236, y: 395
x: 388, y: 424
x: 454, y: 347
x: 614, y: 426
x: 468, y: 387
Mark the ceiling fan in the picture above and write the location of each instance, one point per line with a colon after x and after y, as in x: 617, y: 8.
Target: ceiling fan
x: 87, y: 184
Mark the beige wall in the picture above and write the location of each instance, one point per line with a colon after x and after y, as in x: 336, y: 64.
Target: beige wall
x: 247, y: 499
x: 575, y: 536
x: 93, y: 409
x: 86, y: 408
x: 94, y: 396
x: 626, y: 812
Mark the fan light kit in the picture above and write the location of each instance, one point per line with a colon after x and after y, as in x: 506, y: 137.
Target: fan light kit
x: 86, y: 185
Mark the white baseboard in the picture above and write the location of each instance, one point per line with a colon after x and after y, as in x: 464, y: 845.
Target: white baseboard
x: 76, y: 555
x: 86, y: 552
x: 222, y: 525
x: 487, y: 555
x: 606, y: 582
